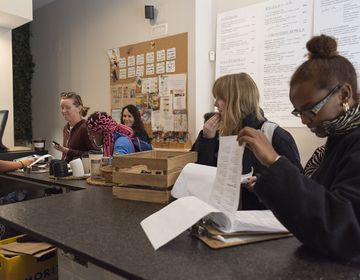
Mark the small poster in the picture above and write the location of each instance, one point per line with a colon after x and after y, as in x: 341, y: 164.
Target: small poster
x: 131, y: 72
x: 150, y: 69
x: 140, y: 59
x: 150, y: 57
x: 131, y: 60
x: 160, y: 68
x: 140, y: 71
x: 170, y: 66
x: 122, y: 74
x: 122, y: 62
x: 171, y: 54
x: 160, y: 55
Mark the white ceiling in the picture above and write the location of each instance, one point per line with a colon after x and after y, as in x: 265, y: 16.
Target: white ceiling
x: 40, y: 3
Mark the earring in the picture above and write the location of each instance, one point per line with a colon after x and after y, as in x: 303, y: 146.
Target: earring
x: 345, y: 106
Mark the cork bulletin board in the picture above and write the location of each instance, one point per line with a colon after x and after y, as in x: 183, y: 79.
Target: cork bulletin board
x: 152, y: 75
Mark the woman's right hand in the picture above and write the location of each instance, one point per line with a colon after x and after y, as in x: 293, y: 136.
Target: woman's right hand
x: 211, y: 126
x: 27, y: 161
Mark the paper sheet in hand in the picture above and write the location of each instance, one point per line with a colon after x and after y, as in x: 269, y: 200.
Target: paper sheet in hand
x: 175, y: 218
x: 198, y: 180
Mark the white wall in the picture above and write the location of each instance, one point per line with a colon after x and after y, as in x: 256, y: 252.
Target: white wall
x: 13, y: 13
x: 70, y: 43
x: 306, y: 141
x: 6, y: 84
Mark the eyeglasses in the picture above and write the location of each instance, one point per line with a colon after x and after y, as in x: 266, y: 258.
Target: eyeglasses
x: 312, y: 112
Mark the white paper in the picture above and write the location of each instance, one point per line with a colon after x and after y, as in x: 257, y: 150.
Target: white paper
x: 40, y: 159
x: 171, y: 53
x: 140, y: 71
x: 150, y: 69
x: 172, y: 220
x: 160, y: 55
x: 160, y: 68
x: 175, y: 218
x: 122, y: 74
x: 197, y: 180
x: 225, y: 193
x: 170, y: 66
x: 140, y: 58
x: 122, y: 62
x: 150, y: 57
x: 266, y: 40
x: 340, y: 19
x: 131, y: 72
x: 131, y: 60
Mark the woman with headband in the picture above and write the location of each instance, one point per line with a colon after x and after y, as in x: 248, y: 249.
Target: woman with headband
x: 105, y: 132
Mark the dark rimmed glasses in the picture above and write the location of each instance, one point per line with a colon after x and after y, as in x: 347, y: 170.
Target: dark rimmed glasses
x: 313, y: 111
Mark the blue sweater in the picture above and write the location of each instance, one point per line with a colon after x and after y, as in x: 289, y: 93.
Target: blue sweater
x: 122, y: 145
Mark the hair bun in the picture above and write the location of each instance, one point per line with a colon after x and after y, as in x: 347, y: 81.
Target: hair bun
x: 322, y: 46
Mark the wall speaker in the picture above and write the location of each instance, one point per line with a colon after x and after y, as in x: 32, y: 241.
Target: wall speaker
x: 149, y: 12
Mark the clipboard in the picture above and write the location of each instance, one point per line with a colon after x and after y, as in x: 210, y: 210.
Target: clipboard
x: 216, y: 239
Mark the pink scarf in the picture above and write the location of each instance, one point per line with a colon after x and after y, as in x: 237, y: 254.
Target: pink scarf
x: 102, y: 121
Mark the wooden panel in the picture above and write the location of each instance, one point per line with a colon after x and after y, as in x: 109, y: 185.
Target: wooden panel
x: 162, y: 181
x: 145, y: 195
x: 155, y: 160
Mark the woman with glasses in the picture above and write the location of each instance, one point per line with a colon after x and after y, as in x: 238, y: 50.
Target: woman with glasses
x: 76, y: 140
x: 113, y: 138
x: 237, y: 100
x: 321, y: 208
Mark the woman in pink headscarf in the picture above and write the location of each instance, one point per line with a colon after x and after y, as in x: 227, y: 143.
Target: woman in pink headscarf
x: 105, y: 132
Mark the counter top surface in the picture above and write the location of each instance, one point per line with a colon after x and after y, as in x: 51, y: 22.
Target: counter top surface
x: 106, y: 231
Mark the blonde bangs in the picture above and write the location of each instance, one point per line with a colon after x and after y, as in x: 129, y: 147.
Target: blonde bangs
x: 241, y: 97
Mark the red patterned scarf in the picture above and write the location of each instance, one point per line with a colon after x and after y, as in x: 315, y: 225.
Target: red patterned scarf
x: 102, y: 121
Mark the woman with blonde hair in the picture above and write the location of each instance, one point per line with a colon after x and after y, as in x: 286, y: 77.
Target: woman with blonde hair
x: 237, y: 100
x: 76, y: 140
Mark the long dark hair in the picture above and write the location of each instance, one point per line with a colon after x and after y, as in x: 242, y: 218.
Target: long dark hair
x: 138, y: 125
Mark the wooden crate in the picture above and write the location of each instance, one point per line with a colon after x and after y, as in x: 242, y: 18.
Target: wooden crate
x: 137, y: 193
x: 155, y: 160
x: 162, y: 180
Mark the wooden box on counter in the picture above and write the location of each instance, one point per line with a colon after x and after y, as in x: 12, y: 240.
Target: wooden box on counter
x: 148, y: 176
x: 141, y: 193
x: 151, y: 168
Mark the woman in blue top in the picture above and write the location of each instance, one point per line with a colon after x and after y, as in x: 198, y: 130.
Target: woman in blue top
x: 105, y: 132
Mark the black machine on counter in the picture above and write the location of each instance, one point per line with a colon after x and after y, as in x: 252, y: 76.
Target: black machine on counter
x: 3, y: 119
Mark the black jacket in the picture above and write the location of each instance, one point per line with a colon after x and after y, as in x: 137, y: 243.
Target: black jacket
x: 322, y: 212
x: 282, y: 142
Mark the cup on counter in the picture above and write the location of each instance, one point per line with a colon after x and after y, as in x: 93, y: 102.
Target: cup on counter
x: 86, y: 163
x: 95, y: 164
x: 77, y: 167
x: 39, y: 144
x: 95, y: 169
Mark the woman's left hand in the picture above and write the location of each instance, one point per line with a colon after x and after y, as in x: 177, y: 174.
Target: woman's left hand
x: 250, y: 183
x: 61, y: 148
x: 258, y: 143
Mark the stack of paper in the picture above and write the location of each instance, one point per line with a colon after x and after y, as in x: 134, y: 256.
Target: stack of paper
x: 201, y: 194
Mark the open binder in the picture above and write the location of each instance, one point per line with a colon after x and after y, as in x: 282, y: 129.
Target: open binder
x: 217, y: 239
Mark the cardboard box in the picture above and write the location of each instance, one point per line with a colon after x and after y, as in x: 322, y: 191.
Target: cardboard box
x: 27, y: 267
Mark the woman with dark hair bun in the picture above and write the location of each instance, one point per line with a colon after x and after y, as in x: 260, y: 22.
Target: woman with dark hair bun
x: 130, y: 116
x: 322, y: 206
